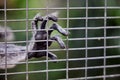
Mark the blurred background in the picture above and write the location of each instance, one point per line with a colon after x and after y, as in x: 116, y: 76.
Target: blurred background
x: 94, y: 40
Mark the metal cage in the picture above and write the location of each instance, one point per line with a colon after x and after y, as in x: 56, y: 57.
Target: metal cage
x: 93, y: 46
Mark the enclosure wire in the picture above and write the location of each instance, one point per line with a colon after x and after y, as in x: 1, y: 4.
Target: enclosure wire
x: 27, y: 69
x: 64, y: 69
x: 86, y: 48
x: 74, y: 59
x: 47, y: 66
x: 71, y: 18
x: 75, y: 28
x: 61, y: 8
x: 86, y: 40
x: 67, y: 43
x: 5, y: 24
x: 105, y: 15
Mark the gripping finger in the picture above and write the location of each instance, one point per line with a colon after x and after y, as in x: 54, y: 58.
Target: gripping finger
x: 59, y: 40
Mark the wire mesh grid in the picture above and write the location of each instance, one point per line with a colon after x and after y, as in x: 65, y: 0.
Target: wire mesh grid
x: 92, y: 51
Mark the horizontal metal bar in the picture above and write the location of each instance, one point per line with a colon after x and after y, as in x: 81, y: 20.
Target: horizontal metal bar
x: 70, y: 18
x: 89, y: 28
x: 53, y: 70
x: 89, y: 48
x: 70, y: 39
x: 60, y: 8
x: 94, y: 38
x: 83, y: 48
x: 72, y: 59
x: 75, y: 28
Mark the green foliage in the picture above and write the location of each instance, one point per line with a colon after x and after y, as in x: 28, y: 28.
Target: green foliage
x: 79, y: 23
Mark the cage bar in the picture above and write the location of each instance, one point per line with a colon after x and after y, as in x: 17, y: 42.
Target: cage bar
x: 92, y: 47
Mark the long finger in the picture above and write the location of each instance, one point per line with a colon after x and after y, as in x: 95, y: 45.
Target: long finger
x: 59, y: 40
x: 57, y: 27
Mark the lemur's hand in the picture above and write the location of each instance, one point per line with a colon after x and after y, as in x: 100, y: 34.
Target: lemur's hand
x: 11, y: 54
x: 44, y: 38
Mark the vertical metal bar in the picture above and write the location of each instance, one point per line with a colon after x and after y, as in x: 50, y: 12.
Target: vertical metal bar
x: 86, y: 39
x: 67, y: 44
x: 47, y: 66
x: 27, y: 75
x: 5, y: 24
x: 105, y: 15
